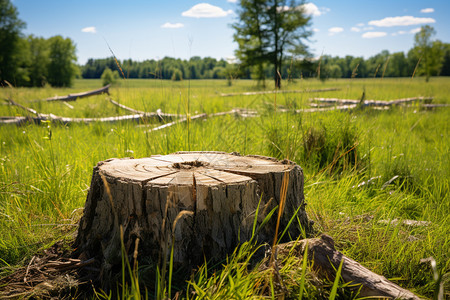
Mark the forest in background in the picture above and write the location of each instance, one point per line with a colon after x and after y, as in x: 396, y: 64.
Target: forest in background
x: 32, y: 61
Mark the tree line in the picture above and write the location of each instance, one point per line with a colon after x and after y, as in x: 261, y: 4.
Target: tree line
x: 33, y: 61
x: 383, y: 64
x: 166, y: 68
x: 269, y: 34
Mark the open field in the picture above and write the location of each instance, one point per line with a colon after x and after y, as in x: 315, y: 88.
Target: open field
x: 404, y: 152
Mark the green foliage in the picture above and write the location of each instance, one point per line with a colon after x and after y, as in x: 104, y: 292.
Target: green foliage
x: 177, y: 75
x: 427, y: 53
x: 10, y: 41
x: 267, y: 31
x: 61, y: 69
x: 109, y: 77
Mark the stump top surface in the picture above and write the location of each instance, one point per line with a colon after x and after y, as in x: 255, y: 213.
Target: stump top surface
x: 193, y: 168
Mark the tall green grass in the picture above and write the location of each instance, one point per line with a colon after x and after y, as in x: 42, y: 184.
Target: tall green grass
x: 360, y: 168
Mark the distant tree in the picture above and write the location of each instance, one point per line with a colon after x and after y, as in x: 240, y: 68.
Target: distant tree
x: 39, y: 60
x: 62, y: 68
x: 109, y: 77
x: 423, y: 50
x: 334, y: 71
x: 269, y: 30
x: 358, y: 67
x: 376, y: 64
x: 445, y: 69
x: 177, y: 75
x: 10, y: 41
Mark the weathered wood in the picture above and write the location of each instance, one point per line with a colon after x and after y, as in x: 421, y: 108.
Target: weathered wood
x: 325, y: 259
x: 73, y: 97
x: 280, y: 92
x: 332, y: 101
x: 65, y: 120
x: 158, y: 114
x: 202, y: 203
x: 244, y: 113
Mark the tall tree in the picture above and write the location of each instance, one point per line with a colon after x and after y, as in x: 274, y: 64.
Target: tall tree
x: 268, y: 30
x: 423, y: 50
x: 62, y: 68
x: 39, y: 60
x: 10, y: 40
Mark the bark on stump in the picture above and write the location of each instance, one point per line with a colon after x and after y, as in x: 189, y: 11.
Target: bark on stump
x: 203, y: 202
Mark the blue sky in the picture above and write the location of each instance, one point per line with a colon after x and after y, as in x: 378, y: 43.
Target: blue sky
x: 148, y: 29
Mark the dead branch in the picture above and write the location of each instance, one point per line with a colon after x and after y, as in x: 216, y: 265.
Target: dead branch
x: 332, y: 101
x: 280, y: 92
x: 73, y: 97
x: 325, y: 260
x: 244, y: 113
x: 157, y: 114
x: 178, y: 122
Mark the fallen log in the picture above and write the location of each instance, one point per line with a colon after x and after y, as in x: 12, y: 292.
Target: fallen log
x: 157, y: 114
x: 338, y: 101
x: 244, y: 113
x: 38, y: 118
x: 67, y: 121
x: 199, y: 116
x: 73, y: 97
x: 319, y: 109
x: 325, y: 260
x: 280, y: 92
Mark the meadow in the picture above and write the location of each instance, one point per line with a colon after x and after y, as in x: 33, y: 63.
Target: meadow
x: 363, y: 168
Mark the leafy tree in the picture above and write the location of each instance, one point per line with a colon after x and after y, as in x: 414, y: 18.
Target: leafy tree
x: 423, y: 50
x: 445, y: 69
x: 62, y: 68
x: 267, y: 30
x: 109, y: 77
x: 39, y: 60
x: 177, y: 75
x: 10, y: 42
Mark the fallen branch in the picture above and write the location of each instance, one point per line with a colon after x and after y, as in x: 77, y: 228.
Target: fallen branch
x: 280, y: 92
x: 319, y: 109
x: 38, y: 118
x: 73, y: 97
x: 332, y: 101
x: 157, y: 114
x: 325, y: 260
x: 244, y: 113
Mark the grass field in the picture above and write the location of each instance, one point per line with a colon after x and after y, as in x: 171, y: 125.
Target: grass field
x: 46, y: 169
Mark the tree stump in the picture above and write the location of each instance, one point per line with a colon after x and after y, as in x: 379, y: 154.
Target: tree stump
x: 204, y: 203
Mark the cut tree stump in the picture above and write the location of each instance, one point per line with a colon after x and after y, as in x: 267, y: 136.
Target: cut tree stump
x: 204, y: 203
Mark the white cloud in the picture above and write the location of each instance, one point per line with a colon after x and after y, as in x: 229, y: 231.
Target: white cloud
x: 206, y: 10
x: 315, y: 29
x: 172, y: 25
x: 231, y: 59
x: 355, y: 29
x: 367, y: 28
x: 373, y: 34
x: 427, y: 10
x: 232, y: 1
x: 360, y: 24
x: 335, y: 30
x: 312, y: 10
x: 412, y: 31
x: 401, y: 21
x: 91, y: 29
